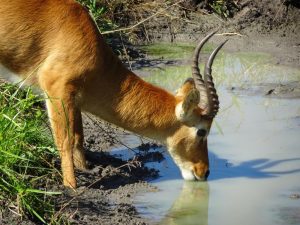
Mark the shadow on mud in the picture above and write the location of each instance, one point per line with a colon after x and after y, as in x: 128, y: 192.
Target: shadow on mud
x: 109, y: 172
x: 151, y: 63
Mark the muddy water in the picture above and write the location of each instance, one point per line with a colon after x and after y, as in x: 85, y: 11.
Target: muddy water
x: 254, y: 150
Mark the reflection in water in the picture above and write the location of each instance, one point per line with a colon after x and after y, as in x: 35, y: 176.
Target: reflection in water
x: 191, y: 205
x: 243, y: 70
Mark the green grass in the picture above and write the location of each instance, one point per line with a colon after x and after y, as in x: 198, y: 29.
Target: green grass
x: 26, y: 155
x: 235, y: 69
x: 245, y: 68
x: 27, y: 150
x: 100, y: 13
x: 174, y: 50
x: 171, y: 77
x: 223, y: 8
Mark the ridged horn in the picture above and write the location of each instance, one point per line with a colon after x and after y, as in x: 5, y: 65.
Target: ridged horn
x: 213, y: 99
x: 198, y: 79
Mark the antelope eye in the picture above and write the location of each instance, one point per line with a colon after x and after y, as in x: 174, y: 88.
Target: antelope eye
x: 201, y: 132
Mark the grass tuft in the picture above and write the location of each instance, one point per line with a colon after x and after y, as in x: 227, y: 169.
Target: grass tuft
x: 101, y: 13
x: 27, y: 155
x: 223, y: 8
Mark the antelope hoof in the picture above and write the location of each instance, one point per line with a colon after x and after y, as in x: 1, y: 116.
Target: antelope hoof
x: 80, y: 164
x: 70, y: 183
x: 79, y: 160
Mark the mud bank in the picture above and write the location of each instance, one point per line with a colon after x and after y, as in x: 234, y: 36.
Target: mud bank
x: 106, y: 191
x: 265, y: 26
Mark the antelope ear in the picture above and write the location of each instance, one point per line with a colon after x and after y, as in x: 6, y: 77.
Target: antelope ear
x: 185, y: 108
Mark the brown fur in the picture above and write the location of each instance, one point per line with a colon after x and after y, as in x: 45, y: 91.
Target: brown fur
x: 56, y: 45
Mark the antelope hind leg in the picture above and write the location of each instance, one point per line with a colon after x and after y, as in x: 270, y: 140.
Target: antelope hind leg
x: 66, y: 123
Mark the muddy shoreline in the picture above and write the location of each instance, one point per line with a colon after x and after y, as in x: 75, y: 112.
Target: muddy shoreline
x: 107, y: 190
x: 281, y: 42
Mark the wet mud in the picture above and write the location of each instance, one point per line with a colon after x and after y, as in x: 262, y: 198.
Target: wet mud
x: 105, y: 193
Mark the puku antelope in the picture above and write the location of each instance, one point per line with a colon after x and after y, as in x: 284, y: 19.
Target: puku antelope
x: 56, y: 45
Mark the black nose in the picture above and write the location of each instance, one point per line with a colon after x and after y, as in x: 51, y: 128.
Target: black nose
x: 207, y: 174
x: 201, y: 132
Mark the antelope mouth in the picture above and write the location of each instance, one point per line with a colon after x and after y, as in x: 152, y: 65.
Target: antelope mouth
x: 204, y: 178
x: 190, y: 175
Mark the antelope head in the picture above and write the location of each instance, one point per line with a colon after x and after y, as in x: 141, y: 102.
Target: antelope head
x: 197, y: 105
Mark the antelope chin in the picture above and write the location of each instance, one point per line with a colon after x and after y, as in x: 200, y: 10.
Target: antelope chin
x: 188, y: 174
x: 199, y: 178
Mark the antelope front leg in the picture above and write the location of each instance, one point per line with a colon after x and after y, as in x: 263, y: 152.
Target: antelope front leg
x: 66, y: 123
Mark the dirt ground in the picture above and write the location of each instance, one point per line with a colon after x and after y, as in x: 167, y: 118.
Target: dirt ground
x: 105, y: 193
x: 268, y: 26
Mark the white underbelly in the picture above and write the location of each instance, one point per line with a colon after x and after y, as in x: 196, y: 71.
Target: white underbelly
x: 9, y: 76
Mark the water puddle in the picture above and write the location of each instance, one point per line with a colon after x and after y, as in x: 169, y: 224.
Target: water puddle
x: 237, y: 70
x: 254, y: 149
x: 255, y: 170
